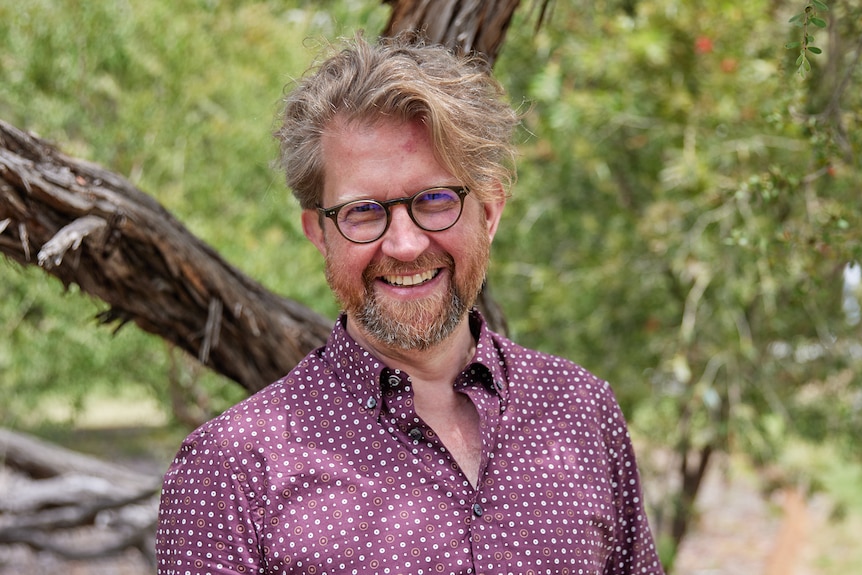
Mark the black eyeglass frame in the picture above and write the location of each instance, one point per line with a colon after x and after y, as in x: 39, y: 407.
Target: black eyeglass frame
x: 332, y: 213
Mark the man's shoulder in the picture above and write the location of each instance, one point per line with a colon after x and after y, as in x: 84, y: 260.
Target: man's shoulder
x: 517, y: 355
x: 538, y: 368
x: 274, y: 401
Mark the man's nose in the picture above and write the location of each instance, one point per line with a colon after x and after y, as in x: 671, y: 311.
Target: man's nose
x: 404, y: 240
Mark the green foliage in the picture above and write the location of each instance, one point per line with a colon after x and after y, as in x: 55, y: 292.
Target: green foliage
x: 180, y: 98
x: 683, y: 215
x: 808, y: 17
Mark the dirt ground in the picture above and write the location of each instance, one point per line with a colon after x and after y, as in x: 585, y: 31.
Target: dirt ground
x: 742, y: 531
x: 738, y: 532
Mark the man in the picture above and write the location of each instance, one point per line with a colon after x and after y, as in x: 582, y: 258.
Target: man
x: 416, y: 440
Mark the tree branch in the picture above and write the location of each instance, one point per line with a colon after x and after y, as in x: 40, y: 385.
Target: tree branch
x: 88, y: 226
x: 79, y: 507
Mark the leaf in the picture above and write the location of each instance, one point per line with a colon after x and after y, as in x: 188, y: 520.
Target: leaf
x: 815, y: 50
x: 819, y: 22
x: 797, y: 18
x: 822, y: 7
x: 800, y: 60
x: 792, y: 45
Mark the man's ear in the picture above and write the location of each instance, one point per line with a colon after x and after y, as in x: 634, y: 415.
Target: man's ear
x: 494, y: 211
x: 312, y: 227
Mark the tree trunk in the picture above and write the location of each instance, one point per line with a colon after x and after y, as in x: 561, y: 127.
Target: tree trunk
x: 468, y: 25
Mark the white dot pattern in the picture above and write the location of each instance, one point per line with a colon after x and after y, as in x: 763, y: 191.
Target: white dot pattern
x: 330, y: 470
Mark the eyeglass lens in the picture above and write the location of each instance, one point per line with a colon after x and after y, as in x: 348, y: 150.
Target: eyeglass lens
x: 433, y: 210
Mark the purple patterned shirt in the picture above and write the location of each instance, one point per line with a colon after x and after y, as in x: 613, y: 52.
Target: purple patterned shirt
x: 330, y: 470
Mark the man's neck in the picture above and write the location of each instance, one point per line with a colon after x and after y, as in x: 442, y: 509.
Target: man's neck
x: 437, y: 365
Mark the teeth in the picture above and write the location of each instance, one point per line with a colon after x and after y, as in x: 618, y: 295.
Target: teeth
x: 413, y: 280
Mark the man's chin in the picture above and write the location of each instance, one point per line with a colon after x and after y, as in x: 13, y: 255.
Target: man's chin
x: 410, y: 327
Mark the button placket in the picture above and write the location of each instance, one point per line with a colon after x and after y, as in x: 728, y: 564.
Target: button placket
x: 396, y: 391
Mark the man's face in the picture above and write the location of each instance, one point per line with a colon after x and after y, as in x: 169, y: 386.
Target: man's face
x: 411, y: 288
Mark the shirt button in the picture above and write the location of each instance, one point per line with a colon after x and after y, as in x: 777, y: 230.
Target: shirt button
x: 477, y: 510
x: 498, y: 384
x: 371, y: 403
x: 394, y: 380
x: 415, y: 434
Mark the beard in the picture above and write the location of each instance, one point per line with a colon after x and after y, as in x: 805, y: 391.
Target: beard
x: 414, y: 325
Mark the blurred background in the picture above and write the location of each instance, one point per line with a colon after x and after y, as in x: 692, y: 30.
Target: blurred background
x: 686, y: 224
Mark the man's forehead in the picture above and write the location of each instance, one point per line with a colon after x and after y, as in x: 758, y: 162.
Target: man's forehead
x: 342, y: 124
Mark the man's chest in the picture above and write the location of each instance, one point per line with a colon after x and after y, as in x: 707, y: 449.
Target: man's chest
x: 381, y: 501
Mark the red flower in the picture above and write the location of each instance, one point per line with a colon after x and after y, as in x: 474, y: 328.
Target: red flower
x: 703, y: 45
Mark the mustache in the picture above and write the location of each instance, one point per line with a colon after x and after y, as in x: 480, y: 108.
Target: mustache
x: 389, y: 266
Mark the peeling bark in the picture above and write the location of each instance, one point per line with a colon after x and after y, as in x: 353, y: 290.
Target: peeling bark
x: 86, y: 225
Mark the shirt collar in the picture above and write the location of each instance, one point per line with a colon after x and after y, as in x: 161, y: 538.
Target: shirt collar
x: 488, y: 356
x: 362, y: 373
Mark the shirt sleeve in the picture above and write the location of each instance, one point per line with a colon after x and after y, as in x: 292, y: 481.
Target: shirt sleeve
x: 634, y: 548
x: 207, y: 512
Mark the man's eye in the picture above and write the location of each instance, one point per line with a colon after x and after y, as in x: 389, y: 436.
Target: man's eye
x: 439, y: 195
x: 436, y: 200
x: 363, y: 211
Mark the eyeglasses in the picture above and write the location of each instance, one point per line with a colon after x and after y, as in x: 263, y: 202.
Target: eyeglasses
x: 364, y: 221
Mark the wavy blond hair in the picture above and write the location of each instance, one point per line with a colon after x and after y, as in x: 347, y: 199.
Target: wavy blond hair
x: 471, y: 125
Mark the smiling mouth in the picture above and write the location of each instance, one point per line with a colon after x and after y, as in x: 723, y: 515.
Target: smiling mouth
x: 411, y: 280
